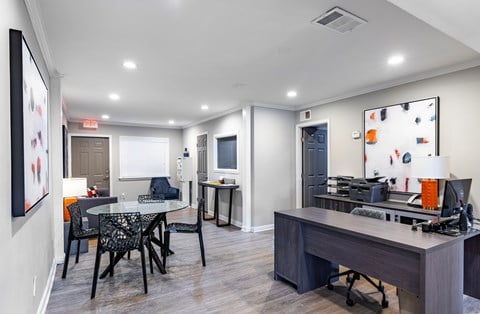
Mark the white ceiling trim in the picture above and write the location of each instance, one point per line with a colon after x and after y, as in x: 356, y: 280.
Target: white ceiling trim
x: 39, y: 30
x: 409, y: 79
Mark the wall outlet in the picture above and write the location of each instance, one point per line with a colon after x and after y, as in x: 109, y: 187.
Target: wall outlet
x: 34, y: 285
x: 123, y: 196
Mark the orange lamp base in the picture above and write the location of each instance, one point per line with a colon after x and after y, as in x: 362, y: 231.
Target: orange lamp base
x: 429, y: 194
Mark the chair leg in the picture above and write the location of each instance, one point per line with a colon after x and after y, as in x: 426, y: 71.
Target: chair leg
x: 78, y: 251
x: 166, y: 247
x: 95, y: 272
x: 144, y: 270
x: 202, y: 250
x: 354, y: 278
x: 128, y: 255
x: 67, y: 257
x: 112, y: 255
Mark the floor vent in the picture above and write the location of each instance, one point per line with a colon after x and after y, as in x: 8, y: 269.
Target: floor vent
x: 339, y: 20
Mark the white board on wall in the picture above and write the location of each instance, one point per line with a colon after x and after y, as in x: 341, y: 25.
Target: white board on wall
x: 143, y: 157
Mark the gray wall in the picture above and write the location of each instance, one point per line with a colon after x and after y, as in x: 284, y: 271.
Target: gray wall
x: 273, y: 178
x: 459, y: 94
x: 133, y: 188
x: 26, y: 242
x: 229, y: 123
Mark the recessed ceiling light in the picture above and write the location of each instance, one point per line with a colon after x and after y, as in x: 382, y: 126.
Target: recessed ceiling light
x: 171, y: 122
x: 129, y: 65
x: 105, y: 116
x: 292, y: 94
x: 396, y: 59
x: 114, y: 96
x: 204, y: 107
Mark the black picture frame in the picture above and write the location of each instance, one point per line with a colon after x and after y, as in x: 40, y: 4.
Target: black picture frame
x: 29, y: 128
x: 396, y: 133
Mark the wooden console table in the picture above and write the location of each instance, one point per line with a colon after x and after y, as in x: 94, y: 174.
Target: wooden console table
x: 218, y: 186
x: 311, y: 242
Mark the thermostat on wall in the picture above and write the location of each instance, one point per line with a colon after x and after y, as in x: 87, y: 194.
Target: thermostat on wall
x: 356, y: 135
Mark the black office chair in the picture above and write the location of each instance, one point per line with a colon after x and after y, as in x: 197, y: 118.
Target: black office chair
x: 185, y: 228
x: 119, y: 233
x: 76, y: 232
x: 372, y: 213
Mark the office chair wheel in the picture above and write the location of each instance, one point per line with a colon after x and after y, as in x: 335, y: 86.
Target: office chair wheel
x: 384, y: 304
x: 350, y: 302
x: 330, y: 286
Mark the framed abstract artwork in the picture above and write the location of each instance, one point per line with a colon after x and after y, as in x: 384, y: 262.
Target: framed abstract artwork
x: 29, y: 128
x: 393, y: 135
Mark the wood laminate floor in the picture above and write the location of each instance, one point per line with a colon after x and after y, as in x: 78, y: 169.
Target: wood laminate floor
x: 238, y: 278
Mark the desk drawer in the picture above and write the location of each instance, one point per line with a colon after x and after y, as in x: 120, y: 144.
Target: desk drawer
x: 393, y: 265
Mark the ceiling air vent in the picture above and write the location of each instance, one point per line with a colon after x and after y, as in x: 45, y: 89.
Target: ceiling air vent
x: 305, y: 115
x: 339, y: 20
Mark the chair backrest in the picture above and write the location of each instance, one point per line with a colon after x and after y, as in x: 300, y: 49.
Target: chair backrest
x: 200, y: 209
x: 120, y: 232
x: 159, y: 185
x: 76, y: 224
x: 369, y: 212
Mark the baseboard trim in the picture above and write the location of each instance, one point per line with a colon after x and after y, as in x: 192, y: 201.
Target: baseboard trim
x: 262, y: 228
x: 42, y: 307
x: 234, y: 222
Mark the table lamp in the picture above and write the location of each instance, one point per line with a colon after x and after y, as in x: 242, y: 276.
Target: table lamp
x: 429, y: 169
x: 72, y: 187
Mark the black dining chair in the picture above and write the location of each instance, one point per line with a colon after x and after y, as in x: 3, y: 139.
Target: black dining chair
x: 148, y: 218
x: 371, y: 213
x: 178, y: 227
x: 119, y: 233
x: 76, y: 232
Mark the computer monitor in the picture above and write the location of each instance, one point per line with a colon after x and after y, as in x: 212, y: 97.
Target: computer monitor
x: 455, y: 195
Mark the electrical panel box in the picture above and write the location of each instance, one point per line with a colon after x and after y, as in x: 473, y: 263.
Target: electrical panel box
x: 184, y: 169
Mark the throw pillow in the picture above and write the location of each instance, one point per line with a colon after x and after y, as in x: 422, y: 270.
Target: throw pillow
x: 92, y: 191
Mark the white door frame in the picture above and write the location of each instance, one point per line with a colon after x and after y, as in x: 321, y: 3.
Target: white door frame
x: 299, y: 159
x: 109, y: 154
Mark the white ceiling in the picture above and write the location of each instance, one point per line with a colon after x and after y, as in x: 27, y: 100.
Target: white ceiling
x: 229, y: 53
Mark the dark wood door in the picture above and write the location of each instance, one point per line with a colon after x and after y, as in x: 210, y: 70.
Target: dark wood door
x: 202, y: 163
x: 90, y: 159
x: 315, y: 163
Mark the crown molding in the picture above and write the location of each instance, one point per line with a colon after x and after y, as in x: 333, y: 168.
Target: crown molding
x: 39, y: 30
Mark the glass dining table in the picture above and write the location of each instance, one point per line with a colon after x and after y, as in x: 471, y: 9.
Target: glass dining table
x: 156, y: 209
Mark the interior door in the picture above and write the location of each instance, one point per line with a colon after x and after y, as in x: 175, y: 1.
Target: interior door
x: 90, y: 159
x: 202, y: 164
x: 315, y: 163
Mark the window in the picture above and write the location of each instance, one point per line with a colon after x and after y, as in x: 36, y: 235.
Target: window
x: 226, y: 152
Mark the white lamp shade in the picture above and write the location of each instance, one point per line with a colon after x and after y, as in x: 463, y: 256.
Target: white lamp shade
x: 74, y: 187
x: 430, y: 167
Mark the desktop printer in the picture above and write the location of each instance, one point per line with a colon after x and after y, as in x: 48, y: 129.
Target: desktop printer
x: 368, y: 190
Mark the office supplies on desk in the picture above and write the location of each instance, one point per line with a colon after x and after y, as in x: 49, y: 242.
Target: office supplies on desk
x: 368, y: 190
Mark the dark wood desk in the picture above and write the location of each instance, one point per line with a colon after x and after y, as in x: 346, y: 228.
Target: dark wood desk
x: 218, y: 186
x: 311, y: 242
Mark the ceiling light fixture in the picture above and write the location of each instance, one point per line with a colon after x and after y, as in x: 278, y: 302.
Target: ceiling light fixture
x: 171, y: 122
x: 105, y: 116
x: 204, y: 107
x: 292, y: 94
x: 114, y: 96
x: 396, y: 60
x: 129, y: 65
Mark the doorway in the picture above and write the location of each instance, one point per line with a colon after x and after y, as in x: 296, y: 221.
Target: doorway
x: 90, y: 158
x: 314, y: 163
x: 202, y: 164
